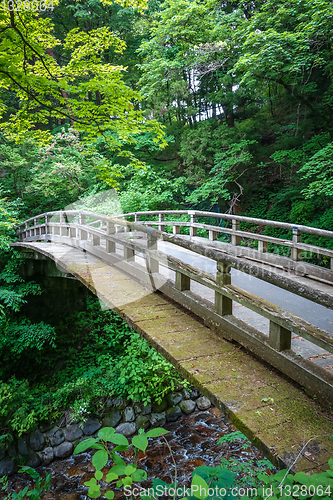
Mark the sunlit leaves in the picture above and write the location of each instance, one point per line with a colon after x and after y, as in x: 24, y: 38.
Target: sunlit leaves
x: 87, y: 92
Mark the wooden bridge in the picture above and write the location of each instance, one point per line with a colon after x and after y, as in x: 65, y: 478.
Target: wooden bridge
x: 241, y: 350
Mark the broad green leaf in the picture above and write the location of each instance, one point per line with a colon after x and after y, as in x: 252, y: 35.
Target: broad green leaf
x: 130, y: 469
x: 199, y: 487
x: 120, y: 448
x: 118, y: 469
x: 100, y: 459
x: 98, y: 475
x: 139, y: 475
x: 29, y: 470
x: 109, y: 495
x: 156, y: 432
x: 127, y: 481
x: 105, y: 433
x: 94, y: 491
x: 84, y: 445
x: 117, y: 459
x: 118, y: 439
x: 140, y: 442
x: 111, y: 476
x: 91, y: 482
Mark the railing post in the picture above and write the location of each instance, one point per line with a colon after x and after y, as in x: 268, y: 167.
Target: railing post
x: 296, y: 254
x: 176, y: 229
x: 47, y: 222
x: 193, y: 230
x: 279, y: 337
x: 235, y: 240
x: 262, y: 246
x: 63, y: 230
x: 27, y: 232
x: 110, y: 245
x: 183, y: 282
x: 96, y: 240
x: 212, y: 235
x: 36, y: 223
x: 129, y: 254
x: 161, y: 226
x: 223, y: 305
x: 72, y: 232
x: 152, y: 264
x: 82, y: 221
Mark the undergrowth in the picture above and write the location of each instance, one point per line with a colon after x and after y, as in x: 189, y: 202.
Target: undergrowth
x: 96, y: 355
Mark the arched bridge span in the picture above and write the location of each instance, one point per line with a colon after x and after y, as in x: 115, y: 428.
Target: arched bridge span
x: 121, y: 262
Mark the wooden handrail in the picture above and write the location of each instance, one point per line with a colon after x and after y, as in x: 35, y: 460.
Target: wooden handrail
x: 236, y: 234
x: 197, y: 213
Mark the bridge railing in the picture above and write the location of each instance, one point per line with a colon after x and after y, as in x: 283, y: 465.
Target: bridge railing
x: 77, y: 229
x: 264, y: 251
x: 294, y: 243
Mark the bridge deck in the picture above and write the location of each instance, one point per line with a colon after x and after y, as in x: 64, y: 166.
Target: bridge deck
x: 231, y: 377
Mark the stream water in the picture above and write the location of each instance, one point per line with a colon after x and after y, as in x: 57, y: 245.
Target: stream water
x: 193, y: 440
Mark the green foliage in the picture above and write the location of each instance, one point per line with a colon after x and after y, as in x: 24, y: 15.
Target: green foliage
x: 8, y: 220
x: 285, y: 485
x: 148, y: 190
x: 41, y: 485
x: 86, y: 90
x: 13, y: 288
x: 234, y: 437
x: 18, y: 337
x: 318, y: 171
x: 120, y: 474
x: 108, y: 359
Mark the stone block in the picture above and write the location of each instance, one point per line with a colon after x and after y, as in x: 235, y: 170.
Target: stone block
x: 157, y: 419
x: 137, y: 408
x: 129, y: 415
x: 73, y: 432
x: 146, y: 410
x: 119, y: 403
x: 174, y: 398
x: 173, y: 414
x: 112, y: 418
x: 194, y: 394
x: 126, y: 429
x: 187, y: 406
x: 142, y: 422
x: 203, y: 403
x: 55, y: 436
x: 7, y: 467
x: 33, y: 460
x: 23, y: 446
x: 64, y: 450
x: 37, y: 441
x: 91, y: 425
x: 47, y: 455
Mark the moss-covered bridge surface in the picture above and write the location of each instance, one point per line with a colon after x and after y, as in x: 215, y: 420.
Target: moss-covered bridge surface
x: 275, y: 414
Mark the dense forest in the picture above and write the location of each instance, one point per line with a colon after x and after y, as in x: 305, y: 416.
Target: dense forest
x: 198, y: 104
